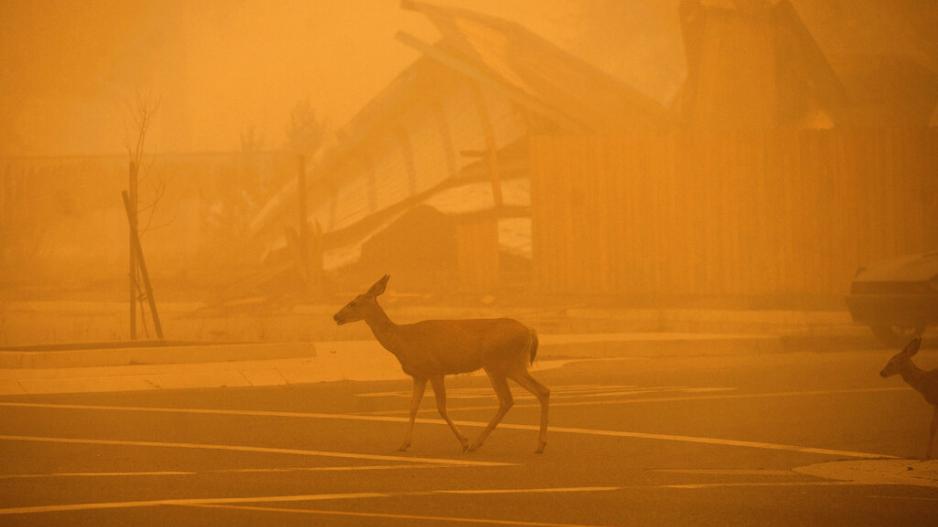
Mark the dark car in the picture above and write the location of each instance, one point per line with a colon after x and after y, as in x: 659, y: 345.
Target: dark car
x: 896, y: 298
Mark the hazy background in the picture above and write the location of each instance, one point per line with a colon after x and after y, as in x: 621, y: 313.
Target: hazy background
x: 750, y: 217
x: 68, y: 69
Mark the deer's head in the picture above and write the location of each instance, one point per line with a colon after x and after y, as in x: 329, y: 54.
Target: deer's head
x: 363, y: 305
x: 899, y: 360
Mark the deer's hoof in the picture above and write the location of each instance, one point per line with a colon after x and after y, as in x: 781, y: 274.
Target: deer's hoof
x: 403, y: 448
x: 540, y: 447
x: 473, y: 447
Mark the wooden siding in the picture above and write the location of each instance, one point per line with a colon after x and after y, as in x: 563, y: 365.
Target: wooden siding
x: 764, y: 213
x: 477, y: 254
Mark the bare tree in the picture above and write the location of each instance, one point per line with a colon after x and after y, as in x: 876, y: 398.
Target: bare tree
x: 305, y: 130
x: 140, y: 112
x: 139, y: 115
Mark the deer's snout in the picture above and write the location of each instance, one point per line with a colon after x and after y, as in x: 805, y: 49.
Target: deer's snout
x: 883, y: 373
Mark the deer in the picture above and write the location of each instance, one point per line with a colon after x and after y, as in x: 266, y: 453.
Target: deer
x: 431, y: 349
x: 924, y: 382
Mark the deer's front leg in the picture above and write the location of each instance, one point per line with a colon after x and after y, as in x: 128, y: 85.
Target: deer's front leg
x: 419, y: 386
x: 439, y: 390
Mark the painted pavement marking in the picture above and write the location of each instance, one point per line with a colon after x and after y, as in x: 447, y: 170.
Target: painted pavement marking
x: 392, y: 516
x: 352, y: 468
x: 642, y: 400
x: 564, y: 391
x: 726, y: 471
x: 476, y: 424
x: 35, y: 509
x: 255, y: 449
x: 916, y: 498
x: 98, y: 474
x: 697, y: 486
x: 70, y: 507
x: 289, y: 498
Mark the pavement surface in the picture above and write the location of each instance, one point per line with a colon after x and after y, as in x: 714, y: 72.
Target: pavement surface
x: 794, y: 438
x: 110, y: 369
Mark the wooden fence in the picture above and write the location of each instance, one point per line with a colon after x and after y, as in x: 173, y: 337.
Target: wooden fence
x: 753, y: 213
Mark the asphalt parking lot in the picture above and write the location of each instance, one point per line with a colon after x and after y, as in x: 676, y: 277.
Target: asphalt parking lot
x: 773, y: 439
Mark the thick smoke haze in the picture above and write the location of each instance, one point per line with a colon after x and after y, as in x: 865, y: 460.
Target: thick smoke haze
x: 220, y: 67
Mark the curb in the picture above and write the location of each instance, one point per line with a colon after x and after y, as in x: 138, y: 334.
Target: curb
x: 251, y: 365
x: 613, y: 345
x: 188, y: 354
x: 56, y: 322
x: 910, y: 472
x: 594, y: 346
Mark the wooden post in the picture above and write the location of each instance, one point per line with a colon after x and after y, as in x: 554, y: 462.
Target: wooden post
x: 315, y: 255
x: 130, y: 203
x: 407, y: 152
x: 303, y: 227
x: 138, y: 252
x: 488, y: 131
x: 368, y: 166
x: 447, y: 138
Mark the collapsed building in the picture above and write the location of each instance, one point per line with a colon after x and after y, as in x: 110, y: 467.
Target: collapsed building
x: 430, y: 181
x: 433, y: 180
x: 498, y: 161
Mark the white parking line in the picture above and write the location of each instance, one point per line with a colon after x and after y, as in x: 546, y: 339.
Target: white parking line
x: 568, y: 391
x: 289, y: 498
x: 727, y: 471
x: 97, y: 474
x: 643, y: 400
x: 391, y: 516
x: 336, y: 469
x: 763, y: 484
x: 255, y: 449
x: 478, y: 424
x: 37, y: 509
x: 702, y: 440
x: 914, y: 498
x: 352, y: 468
x: 547, y: 490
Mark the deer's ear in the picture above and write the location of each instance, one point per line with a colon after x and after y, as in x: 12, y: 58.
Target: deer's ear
x: 379, y: 286
x: 912, y: 347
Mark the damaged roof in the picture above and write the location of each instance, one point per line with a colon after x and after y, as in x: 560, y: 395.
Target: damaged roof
x: 365, y: 180
x: 525, y: 62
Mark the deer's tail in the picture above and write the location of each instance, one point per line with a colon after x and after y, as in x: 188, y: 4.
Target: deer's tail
x: 533, y: 346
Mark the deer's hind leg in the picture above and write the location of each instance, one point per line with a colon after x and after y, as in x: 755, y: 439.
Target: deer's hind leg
x: 542, y: 393
x: 505, y: 402
x: 439, y: 391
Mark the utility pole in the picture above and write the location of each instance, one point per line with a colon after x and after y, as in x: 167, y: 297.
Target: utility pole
x: 130, y: 203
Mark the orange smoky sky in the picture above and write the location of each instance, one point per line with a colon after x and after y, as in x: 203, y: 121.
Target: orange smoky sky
x: 70, y: 68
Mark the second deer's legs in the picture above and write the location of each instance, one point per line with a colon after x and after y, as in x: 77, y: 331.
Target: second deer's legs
x: 931, y: 434
x: 543, y: 396
x: 415, y: 398
x: 505, y: 402
x: 439, y: 390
